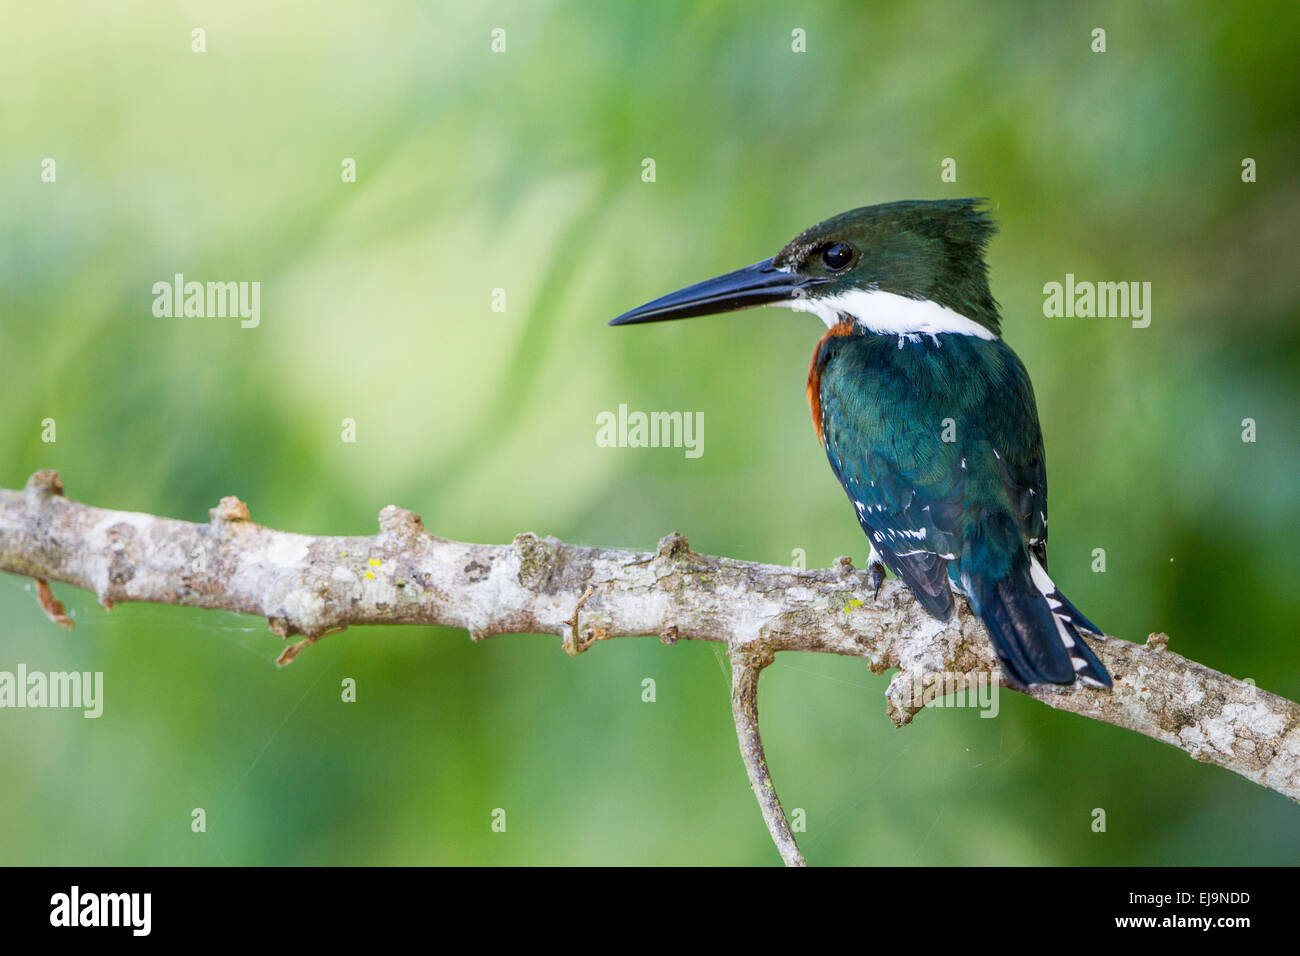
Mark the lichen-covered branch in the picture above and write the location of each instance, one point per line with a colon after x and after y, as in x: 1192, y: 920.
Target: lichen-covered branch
x: 308, y: 586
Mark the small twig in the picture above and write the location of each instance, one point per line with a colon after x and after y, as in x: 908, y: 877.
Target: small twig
x: 51, y: 605
x: 573, y: 645
x: 746, y: 665
x: 290, y: 653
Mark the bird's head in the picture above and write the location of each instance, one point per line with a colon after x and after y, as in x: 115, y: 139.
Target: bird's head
x: 913, y: 267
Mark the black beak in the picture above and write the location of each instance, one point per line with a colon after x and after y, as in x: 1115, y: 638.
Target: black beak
x: 758, y: 284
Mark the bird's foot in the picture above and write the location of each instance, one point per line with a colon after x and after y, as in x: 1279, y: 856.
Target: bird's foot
x: 876, y: 576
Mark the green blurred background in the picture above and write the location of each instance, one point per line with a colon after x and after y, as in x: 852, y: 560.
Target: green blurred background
x: 523, y: 171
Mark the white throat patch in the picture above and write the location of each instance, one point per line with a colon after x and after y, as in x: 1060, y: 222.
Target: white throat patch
x: 887, y: 313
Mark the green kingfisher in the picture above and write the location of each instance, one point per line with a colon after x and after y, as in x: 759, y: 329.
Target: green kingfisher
x: 927, y: 417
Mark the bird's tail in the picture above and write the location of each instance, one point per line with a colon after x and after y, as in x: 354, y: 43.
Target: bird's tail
x: 1035, y: 630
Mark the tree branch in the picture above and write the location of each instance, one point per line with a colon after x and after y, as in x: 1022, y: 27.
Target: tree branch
x: 309, y: 586
x: 745, y: 668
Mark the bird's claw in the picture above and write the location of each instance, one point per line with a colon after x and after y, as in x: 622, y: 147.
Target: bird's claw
x: 876, y: 576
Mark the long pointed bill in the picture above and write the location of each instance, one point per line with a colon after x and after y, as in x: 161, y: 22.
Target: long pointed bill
x: 758, y: 284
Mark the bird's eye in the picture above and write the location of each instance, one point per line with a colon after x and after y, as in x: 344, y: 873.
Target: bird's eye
x: 837, y: 255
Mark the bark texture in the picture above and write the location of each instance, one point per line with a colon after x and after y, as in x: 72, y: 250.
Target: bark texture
x: 307, y: 586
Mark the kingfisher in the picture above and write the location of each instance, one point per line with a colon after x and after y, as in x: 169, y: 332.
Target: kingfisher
x: 927, y: 417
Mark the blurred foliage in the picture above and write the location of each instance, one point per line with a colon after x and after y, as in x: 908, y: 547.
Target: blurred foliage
x: 522, y: 171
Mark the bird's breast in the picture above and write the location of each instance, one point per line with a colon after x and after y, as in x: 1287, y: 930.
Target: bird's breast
x: 842, y: 328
